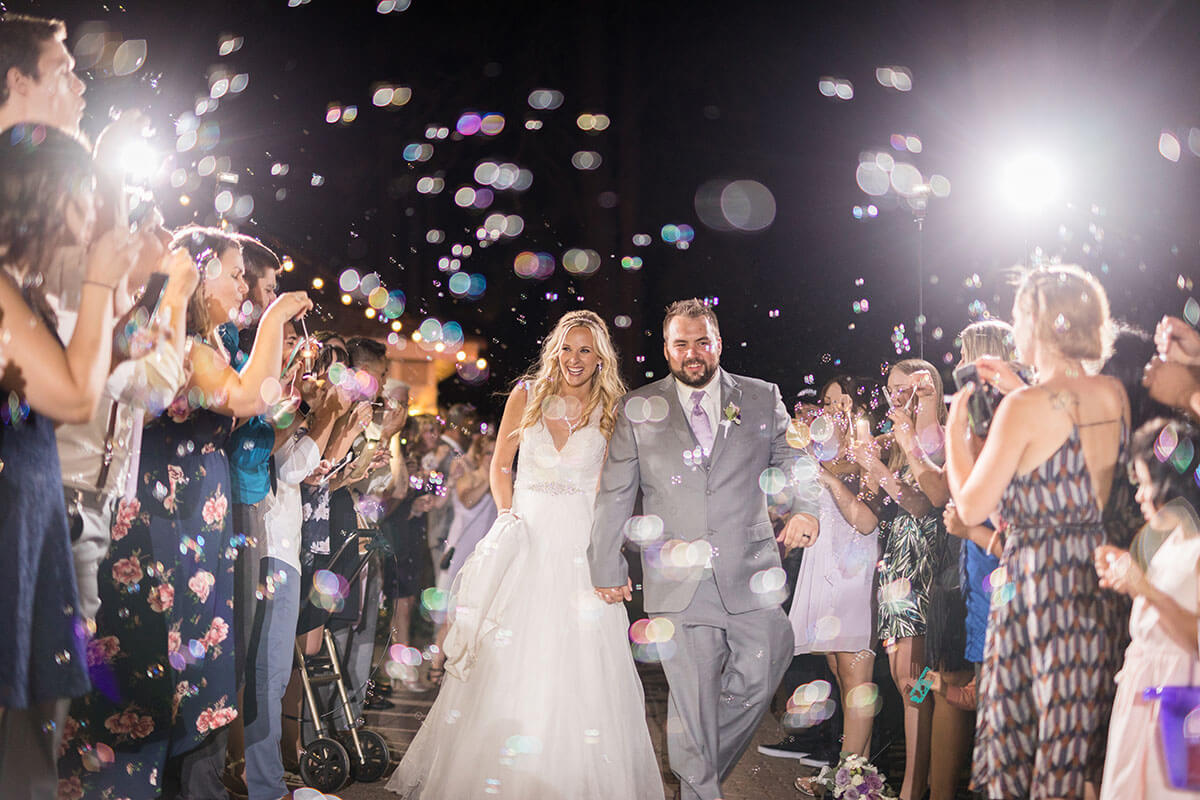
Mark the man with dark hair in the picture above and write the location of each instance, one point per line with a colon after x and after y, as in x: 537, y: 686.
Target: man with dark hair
x: 37, y: 74
x: 262, y: 272
x: 691, y: 309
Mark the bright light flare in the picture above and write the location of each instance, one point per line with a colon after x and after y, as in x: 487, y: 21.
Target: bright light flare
x: 1030, y: 182
x: 139, y: 161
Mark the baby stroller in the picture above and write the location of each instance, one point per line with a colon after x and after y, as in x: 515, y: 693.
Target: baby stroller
x: 334, y: 757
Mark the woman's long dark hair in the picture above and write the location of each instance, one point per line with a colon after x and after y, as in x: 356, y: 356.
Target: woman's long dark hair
x: 40, y: 169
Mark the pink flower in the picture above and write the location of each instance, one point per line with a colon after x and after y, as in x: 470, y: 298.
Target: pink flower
x: 224, y: 716
x: 122, y: 722
x: 143, y: 727
x: 217, y: 632
x: 162, y: 597
x: 174, y: 640
x: 179, y: 410
x: 103, y: 650
x: 127, y: 511
x: 127, y: 571
x: 69, y: 732
x: 70, y: 788
x: 204, y: 722
x: 200, y: 584
x: 214, y: 509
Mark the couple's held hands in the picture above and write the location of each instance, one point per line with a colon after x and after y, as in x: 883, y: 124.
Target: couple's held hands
x: 615, y: 594
x: 799, y: 531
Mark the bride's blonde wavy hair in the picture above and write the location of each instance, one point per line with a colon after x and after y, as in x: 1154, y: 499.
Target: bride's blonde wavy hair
x: 546, y: 379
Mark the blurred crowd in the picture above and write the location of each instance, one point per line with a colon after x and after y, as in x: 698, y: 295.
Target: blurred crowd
x: 179, y: 456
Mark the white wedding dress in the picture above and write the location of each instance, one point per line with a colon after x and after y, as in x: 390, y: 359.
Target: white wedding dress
x: 541, y: 699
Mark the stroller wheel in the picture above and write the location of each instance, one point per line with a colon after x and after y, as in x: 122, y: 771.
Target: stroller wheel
x: 375, y: 755
x: 324, y: 765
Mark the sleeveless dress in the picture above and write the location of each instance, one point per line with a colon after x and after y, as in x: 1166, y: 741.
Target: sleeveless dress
x: 541, y: 698
x: 833, y: 604
x: 162, y: 654
x: 906, y: 571
x: 1053, y: 637
x: 42, y: 655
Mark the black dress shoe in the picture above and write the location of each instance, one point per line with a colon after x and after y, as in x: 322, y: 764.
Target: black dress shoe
x: 377, y: 703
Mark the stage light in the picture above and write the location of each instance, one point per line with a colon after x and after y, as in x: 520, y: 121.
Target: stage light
x: 139, y: 161
x: 1030, y: 182
x: 318, y: 283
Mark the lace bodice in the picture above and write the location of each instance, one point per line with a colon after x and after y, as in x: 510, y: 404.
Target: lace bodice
x: 541, y: 467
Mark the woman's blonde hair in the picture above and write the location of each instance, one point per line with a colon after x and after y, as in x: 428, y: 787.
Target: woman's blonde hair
x: 1069, y: 311
x: 989, y: 337
x: 908, y: 366
x: 546, y: 380
x: 199, y: 241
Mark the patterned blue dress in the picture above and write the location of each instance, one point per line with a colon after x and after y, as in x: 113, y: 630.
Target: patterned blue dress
x: 1053, y: 639
x: 162, y: 655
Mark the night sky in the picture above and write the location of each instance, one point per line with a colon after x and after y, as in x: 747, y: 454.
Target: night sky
x: 695, y: 93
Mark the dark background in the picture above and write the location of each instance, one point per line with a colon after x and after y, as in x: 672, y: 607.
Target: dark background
x: 696, y: 91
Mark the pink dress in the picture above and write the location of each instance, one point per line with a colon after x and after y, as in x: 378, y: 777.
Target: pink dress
x: 1134, y: 768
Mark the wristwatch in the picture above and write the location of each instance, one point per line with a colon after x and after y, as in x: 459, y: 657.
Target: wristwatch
x: 304, y: 408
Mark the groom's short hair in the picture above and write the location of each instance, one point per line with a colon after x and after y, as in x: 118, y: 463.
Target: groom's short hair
x: 693, y: 307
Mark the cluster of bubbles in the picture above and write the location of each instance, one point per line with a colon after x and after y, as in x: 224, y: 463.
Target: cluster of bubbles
x: 869, y: 212
x: 1191, y: 311
x: 579, y: 261
x: 545, y: 99
x: 680, y: 235
x: 809, y: 705
x: 642, y: 239
x: 222, y: 82
x: 431, y: 185
x: 470, y: 197
x: 653, y: 640
x: 503, y: 176
x: 467, y: 286
x: 878, y: 173
x: 435, y: 603
x: 861, y: 306
x: 191, y: 133
x: 644, y: 529
x: 770, y: 584
x: 518, y: 745
x: 1170, y: 146
x: 228, y: 43
x: 105, y: 53
x: 586, y: 160
x: 741, y: 205
x: 472, y: 122
x: 1169, y: 448
x: 898, y: 78
x: 902, y: 142
x: 896, y: 596
x: 593, y: 122
x: 840, y: 88
x: 678, y: 559
x: 387, y: 95
x: 403, y: 663
x: 900, y: 339
x: 436, y: 132
x: 538, y: 266
x: 388, y: 305
x: 497, y: 225
x: 997, y: 584
x: 329, y: 590
x: 335, y: 113
x: 390, y: 6
x: 646, y: 409
x: 631, y: 263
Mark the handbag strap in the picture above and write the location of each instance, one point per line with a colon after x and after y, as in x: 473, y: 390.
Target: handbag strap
x: 107, y: 456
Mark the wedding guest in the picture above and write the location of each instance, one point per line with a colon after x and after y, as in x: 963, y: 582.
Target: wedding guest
x: 474, y: 513
x: 832, y: 609
x: 163, y: 641
x: 47, y: 203
x: 39, y: 83
x: 270, y: 648
x: 460, y: 424
x: 1048, y: 464
x: 1166, y: 608
x: 915, y: 555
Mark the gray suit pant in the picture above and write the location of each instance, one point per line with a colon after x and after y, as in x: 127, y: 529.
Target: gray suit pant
x: 722, y: 675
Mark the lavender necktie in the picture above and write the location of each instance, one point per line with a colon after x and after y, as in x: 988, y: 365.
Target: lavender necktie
x: 700, y: 423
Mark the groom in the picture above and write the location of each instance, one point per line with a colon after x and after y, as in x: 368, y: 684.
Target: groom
x: 712, y: 570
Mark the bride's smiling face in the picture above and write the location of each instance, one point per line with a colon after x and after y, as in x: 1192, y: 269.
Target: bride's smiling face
x: 577, y: 357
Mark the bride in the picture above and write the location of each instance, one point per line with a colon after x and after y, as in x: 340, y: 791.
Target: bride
x: 541, y: 699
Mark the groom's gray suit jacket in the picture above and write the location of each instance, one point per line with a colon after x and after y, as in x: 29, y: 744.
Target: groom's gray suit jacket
x: 718, y: 499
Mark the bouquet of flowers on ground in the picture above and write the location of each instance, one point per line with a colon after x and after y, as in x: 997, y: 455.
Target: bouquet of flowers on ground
x: 854, y: 778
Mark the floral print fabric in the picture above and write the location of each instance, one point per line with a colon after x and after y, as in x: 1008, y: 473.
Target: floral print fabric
x: 161, y: 657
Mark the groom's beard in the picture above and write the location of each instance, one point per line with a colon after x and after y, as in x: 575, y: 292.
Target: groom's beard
x: 701, y: 379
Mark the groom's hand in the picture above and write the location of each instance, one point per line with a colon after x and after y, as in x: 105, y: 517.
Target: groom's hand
x: 615, y: 594
x: 800, y: 531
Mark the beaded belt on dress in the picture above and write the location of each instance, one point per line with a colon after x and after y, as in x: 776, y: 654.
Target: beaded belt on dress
x: 551, y: 487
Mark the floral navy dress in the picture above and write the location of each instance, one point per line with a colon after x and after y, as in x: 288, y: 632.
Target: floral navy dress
x: 162, y: 655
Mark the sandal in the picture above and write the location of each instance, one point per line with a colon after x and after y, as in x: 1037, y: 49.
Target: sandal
x: 809, y: 786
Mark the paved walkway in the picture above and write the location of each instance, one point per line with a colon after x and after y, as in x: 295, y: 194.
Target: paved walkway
x: 756, y: 777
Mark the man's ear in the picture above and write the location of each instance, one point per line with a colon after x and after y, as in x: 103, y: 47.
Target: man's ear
x: 17, y: 82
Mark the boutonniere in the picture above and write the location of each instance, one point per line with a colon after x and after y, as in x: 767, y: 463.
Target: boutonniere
x: 733, y: 414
